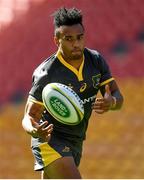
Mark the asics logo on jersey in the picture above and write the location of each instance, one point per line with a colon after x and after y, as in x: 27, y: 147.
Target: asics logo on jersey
x: 96, y: 80
x: 83, y: 87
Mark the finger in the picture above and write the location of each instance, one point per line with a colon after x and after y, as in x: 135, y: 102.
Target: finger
x: 97, y: 105
x: 49, y: 127
x: 105, y: 109
x: 101, y: 108
x: 46, y: 131
x: 100, y: 105
x: 99, y: 99
x: 49, y: 131
x: 99, y: 111
x: 43, y: 125
x: 48, y: 137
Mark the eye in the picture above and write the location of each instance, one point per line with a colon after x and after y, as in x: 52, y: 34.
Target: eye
x: 68, y: 38
x: 80, y: 37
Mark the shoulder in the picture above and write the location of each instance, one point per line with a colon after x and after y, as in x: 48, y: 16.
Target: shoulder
x: 97, y: 60
x: 94, y: 56
x: 91, y: 52
x: 43, y: 69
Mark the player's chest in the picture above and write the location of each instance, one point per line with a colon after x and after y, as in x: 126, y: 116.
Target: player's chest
x: 85, y: 81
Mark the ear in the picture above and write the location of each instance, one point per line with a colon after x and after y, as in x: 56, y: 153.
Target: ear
x: 56, y: 41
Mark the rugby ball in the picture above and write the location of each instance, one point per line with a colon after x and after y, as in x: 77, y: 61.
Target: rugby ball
x: 63, y: 103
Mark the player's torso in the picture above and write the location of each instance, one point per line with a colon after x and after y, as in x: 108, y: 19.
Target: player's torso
x: 84, y: 82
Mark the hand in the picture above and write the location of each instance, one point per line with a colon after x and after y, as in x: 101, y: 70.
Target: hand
x: 104, y: 104
x: 42, y: 130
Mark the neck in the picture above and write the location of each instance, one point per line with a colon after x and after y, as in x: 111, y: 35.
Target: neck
x: 74, y: 62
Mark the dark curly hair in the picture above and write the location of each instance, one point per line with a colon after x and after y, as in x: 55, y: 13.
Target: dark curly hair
x: 67, y: 17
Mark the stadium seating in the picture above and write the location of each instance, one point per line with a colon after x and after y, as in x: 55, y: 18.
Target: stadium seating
x: 29, y: 40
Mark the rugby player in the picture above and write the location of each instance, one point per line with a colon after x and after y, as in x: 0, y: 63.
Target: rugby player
x: 57, y: 148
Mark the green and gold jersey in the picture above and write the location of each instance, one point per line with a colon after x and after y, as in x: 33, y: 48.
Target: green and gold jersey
x: 92, y: 74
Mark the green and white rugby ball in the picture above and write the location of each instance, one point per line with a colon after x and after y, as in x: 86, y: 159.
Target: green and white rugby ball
x: 63, y: 103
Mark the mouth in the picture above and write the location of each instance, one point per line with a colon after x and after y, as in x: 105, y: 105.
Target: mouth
x: 76, y: 51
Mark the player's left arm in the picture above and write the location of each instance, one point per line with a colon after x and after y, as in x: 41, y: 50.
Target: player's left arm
x: 112, y: 98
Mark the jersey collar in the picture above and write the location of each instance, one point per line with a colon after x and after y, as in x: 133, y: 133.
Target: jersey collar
x: 78, y: 73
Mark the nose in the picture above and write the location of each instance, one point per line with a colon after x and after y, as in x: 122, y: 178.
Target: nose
x: 76, y: 44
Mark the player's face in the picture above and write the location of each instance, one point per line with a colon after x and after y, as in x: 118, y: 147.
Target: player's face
x: 71, y: 41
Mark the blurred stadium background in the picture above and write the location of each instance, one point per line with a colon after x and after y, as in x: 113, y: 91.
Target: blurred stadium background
x: 115, y: 141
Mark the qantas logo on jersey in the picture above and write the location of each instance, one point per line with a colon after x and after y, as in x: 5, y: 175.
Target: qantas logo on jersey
x: 84, y: 101
x: 96, y: 81
x: 83, y: 87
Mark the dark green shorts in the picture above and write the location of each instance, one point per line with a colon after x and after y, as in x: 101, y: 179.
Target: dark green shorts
x: 46, y: 153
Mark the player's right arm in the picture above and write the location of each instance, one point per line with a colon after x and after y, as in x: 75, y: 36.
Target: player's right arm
x: 30, y: 122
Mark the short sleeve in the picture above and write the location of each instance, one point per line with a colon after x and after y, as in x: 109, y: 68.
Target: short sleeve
x: 106, y: 76
x: 38, y: 84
